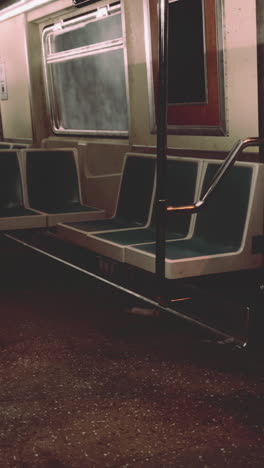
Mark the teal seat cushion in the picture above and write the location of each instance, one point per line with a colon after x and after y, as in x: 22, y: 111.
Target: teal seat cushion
x: 15, y: 211
x: 103, y: 225
x: 133, y: 236
x: 74, y: 207
x: 190, y: 248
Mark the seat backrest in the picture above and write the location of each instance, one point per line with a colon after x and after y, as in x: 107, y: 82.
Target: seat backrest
x: 20, y: 146
x: 136, y: 189
x: 224, y: 216
x: 52, y: 179
x: 11, y: 194
x: 181, y: 185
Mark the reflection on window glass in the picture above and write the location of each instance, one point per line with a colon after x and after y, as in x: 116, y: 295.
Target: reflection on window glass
x: 101, y: 30
x: 90, y: 95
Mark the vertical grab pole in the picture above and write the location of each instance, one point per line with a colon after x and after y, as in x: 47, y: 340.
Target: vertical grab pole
x: 161, y: 201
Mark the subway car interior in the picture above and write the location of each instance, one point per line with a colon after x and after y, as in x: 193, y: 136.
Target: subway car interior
x: 131, y: 233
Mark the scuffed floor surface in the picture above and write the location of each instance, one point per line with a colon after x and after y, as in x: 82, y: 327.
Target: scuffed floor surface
x: 83, y: 384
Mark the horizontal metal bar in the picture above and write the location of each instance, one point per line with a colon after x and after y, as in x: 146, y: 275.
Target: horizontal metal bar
x: 225, y: 166
x: 189, y: 208
x: 181, y: 299
x: 85, y: 51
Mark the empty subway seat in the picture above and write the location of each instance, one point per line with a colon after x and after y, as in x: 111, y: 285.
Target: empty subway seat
x: 224, y: 230
x: 13, y: 214
x: 133, y: 205
x: 183, y: 187
x: 52, y: 180
x: 5, y: 145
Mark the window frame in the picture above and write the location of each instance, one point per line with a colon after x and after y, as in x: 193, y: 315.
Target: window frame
x: 193, y: 124
x: 48, y: 57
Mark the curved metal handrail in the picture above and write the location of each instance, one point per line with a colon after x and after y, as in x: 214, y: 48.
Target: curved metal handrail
x: 225, y: 166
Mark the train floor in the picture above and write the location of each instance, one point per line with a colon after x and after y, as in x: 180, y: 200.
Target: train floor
x: 84, y: 383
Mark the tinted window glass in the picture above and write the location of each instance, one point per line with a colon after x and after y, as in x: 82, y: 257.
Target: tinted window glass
x: 186, y: 81
x: 97, y: 31
x: 92, y: 92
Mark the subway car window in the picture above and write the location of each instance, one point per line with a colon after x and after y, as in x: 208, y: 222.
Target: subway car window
x: 82, y: 55
x: 195, y: 68
x: 187, y: 83
x: 8, y: 3
x: 94, y: 32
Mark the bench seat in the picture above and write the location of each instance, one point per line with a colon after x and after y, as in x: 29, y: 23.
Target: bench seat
x: 135, y: 198
x: 13, y: 213
x: 183, y: 185
x: 53, y: 185
x: 224, y: 229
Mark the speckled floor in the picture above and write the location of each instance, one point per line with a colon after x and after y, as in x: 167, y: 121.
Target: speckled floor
x: 84, y: 384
